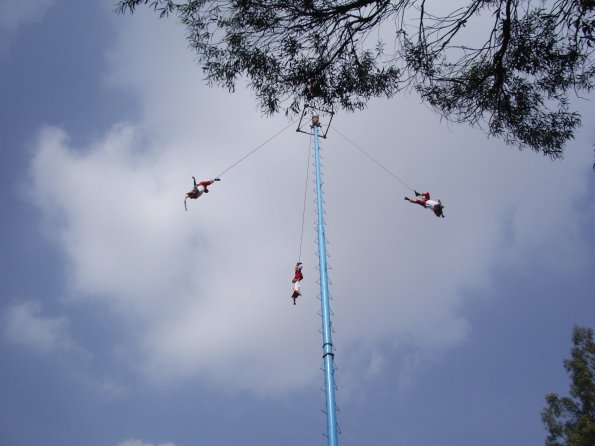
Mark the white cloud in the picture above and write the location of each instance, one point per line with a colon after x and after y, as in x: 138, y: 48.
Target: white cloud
x: 16, y: 13
x: 135, y: 442
x: 24, y: 325
x: 206, y: 293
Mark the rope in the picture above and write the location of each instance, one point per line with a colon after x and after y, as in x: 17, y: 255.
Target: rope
x: 305, y: 194
x: 254, y: 150
x: 374, y: 160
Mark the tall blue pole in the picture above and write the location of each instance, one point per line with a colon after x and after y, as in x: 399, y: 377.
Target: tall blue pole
x: 327, y: 345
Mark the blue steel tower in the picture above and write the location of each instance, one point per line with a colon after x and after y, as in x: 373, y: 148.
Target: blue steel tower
x: 327, y: 343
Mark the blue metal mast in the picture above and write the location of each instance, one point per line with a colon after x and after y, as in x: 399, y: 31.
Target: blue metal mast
x: 327, y: 345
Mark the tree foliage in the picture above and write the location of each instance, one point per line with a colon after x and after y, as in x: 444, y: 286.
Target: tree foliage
x: 506, y: 65
x: 571, y: 420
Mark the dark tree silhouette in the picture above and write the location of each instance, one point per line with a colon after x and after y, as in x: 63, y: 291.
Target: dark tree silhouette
x: 571, y: 420
x: 506, y: 65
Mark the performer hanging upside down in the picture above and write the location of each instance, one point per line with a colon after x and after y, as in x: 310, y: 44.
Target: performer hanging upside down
x: 297, y: 277
x: 313, y: 90
x: 435, y: 206
x: 198, y: 189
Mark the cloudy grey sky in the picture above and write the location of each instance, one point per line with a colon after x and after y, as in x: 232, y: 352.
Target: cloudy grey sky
x: 125, y: 321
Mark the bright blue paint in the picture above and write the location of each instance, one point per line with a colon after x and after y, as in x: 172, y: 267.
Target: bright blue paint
x: 327, y: 346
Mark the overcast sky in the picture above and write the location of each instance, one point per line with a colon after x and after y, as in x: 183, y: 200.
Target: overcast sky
x: 125, y: 321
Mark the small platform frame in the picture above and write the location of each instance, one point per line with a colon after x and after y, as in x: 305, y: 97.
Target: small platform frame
x: 307, y: 125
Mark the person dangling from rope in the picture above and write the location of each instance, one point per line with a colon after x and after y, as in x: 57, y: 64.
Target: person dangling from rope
x: 198, y: 189
x: 313, y: 90
x: 424, y: 200
x: 297, y: 277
